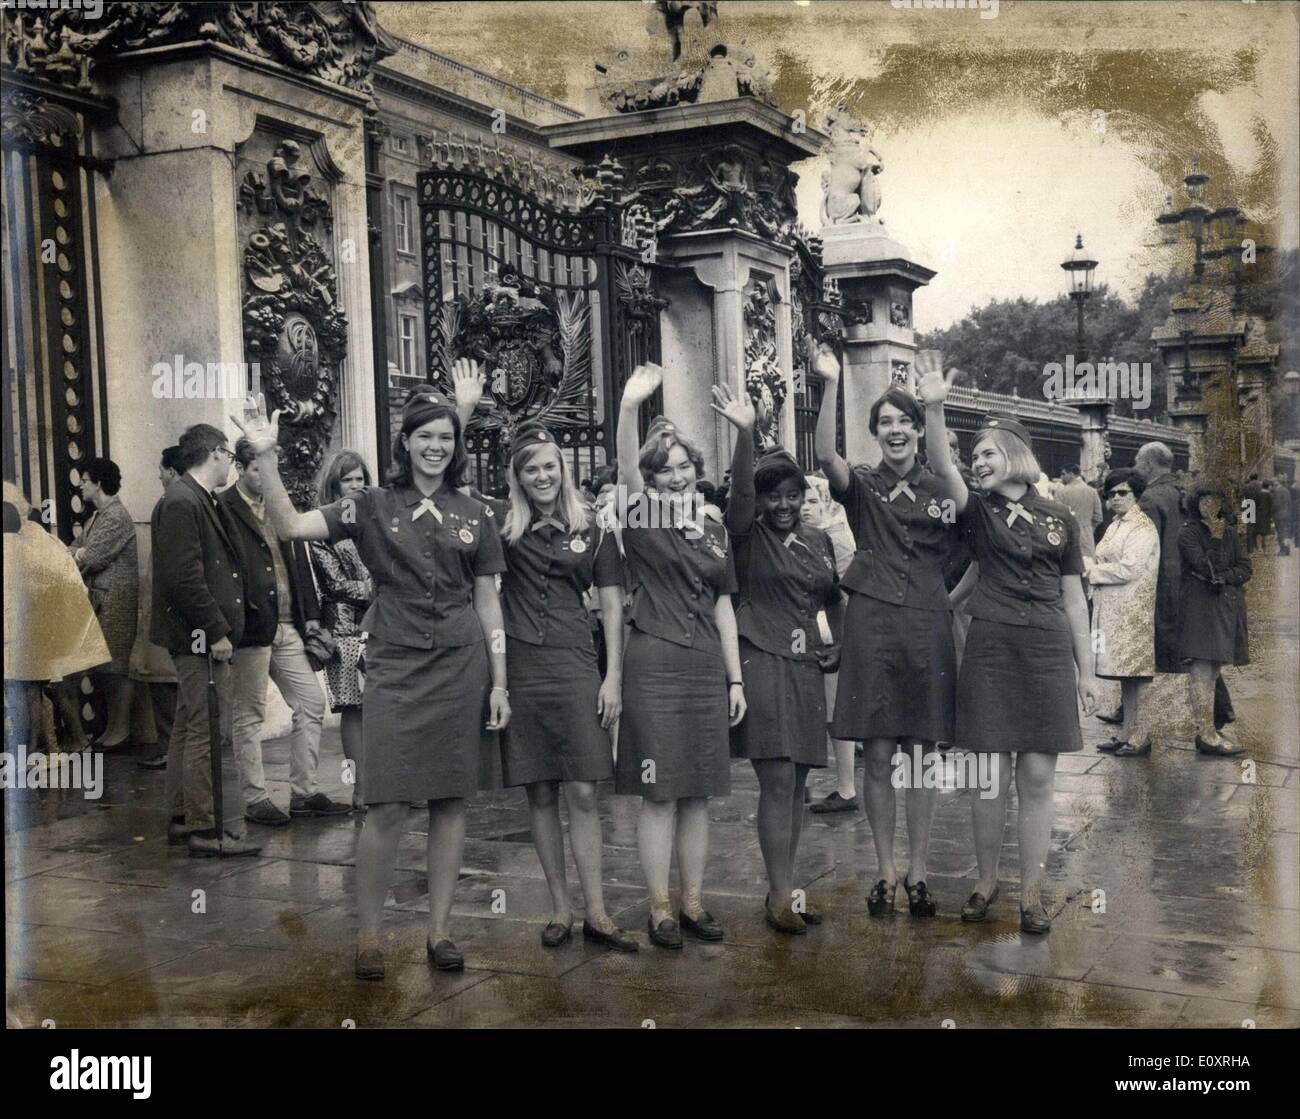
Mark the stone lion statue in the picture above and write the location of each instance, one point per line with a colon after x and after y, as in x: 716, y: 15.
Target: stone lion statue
x: 850, y: 189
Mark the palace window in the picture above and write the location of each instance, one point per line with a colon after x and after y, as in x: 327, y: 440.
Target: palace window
x: 407, y: 328
x: 405, y: 243
x: 399, y: 143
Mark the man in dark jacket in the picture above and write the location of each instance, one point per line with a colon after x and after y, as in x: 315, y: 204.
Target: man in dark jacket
x: 1258, y: 514
x: 198, y: 617
x: 281, y: 613
x: 1280, y: 505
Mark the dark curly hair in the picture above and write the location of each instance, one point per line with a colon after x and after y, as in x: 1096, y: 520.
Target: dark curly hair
x: 104, y: 472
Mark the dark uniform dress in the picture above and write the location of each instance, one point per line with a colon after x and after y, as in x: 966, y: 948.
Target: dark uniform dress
x: 898, y: 670
x: 1213, y: 613
x: 554, y: 732
x: 784, y: 579
x: 1017, y: 691
x: 427, y: 670
x: 674, y: 681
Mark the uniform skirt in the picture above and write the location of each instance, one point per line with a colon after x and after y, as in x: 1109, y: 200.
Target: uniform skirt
x: 898, y: 673
x: 422, y: 721
x: 554, y: 732
x: 674, y: 715
x: 786, y: 716
x: 1017, y: 691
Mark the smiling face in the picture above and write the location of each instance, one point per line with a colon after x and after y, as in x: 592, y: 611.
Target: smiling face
x: 677, y: 475
x: 352, y: 482
x: 540, y: 476
x: 431, y: 447
x: 898, y: 436
x: 780, y: 506
x: 989, y: 465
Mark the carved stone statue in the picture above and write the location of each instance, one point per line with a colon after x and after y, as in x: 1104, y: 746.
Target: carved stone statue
x: 850, y: 189
x: 674, y: 12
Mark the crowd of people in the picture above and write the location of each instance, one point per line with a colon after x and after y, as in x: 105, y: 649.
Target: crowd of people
x: 647, y: 628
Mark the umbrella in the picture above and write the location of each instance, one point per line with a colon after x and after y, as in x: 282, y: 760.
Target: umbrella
x: 214, y: 750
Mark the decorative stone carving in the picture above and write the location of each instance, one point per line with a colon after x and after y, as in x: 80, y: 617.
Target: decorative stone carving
x: 331, y: 39
x: 900, y: 312
x: 293, y: 327
x: 858, y: 313
x: 635, y: 287
x: 850, y: 190
x: 674, y: 13
x: 30, y: 120
x: 900, y: 374
x: 763, y: 377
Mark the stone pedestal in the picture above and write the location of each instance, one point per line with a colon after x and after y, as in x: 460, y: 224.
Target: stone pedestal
x: 170, y: 228
x: 876, y: 278
x: 1092, y: 437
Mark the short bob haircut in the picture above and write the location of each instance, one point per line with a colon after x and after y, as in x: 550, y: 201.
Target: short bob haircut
x: 339, y: 464
x: 105, y: 473
x: 1199, y: 492
x: 904, y: 401
x: 399, y: 473
x: 1022, y: 466
x: 1116, y: 478
x: 655, y: 450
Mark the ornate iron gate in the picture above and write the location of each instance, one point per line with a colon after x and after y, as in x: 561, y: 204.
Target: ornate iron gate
x: 814, y: 313
x: 551, y: 299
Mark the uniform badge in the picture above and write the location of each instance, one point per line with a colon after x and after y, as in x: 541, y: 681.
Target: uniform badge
x: 466, y: 536
x: 719, y: 552
x: 578, y: 545
x: 1054, y: 538
x: 933, y: 510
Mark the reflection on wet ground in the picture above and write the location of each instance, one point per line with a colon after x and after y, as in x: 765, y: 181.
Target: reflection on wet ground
x: 1173, y: 884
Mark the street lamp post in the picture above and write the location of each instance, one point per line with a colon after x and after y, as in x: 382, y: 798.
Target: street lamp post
x: 1093, y: 407
x: 1080, y: 269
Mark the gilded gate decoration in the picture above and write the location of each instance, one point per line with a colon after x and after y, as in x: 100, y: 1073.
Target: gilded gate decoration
x: 293, y: 328
x: 545, y: 296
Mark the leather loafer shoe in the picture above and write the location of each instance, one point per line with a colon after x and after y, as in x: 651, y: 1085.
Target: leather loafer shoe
x: 785, y: 920
x: 1035, y: 920
x: 445, y: 956
x: 556, y: 934
x: 617, y: 939
x: 1219, y: 749
x: 370, y: 963
x: 265, y: 813
x: 318, y: 804
x: 977, y: 906
x: 704, y: 926
x: 834, y: 803
x: 666, y: 934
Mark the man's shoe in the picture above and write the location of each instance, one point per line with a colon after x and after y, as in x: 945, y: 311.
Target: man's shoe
x: 265, y: 813
x: 158, y: 761
x: 1128, y: 750
x: 705, y: 927
x: 1219, y: 749
x: 835, y: 803
x: 318, y: 804
x: 178, y: 833
x: 225, y: 847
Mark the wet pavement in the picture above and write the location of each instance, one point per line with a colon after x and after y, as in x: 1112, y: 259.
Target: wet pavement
x: 1173, y: 882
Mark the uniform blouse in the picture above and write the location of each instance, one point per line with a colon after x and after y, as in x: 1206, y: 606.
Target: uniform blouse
x: 677, y: 572
x: 423, y: 555
x: 548, y: 571
x: 1022, y: 548
x: 902, y: 535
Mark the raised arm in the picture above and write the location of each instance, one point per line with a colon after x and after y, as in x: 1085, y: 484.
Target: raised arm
x: 263, y: 435
x: 823, y: 363
x: 739, y: 412
x: 639, y: 388
x: 932, y: 390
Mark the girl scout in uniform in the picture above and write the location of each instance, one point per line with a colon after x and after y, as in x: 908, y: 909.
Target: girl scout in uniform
x: 561, y: 711
x: 1017, y: 690
x: 898, y: 671
x: 435, y: 657
x: 681, y: 667
x: 786, y: 574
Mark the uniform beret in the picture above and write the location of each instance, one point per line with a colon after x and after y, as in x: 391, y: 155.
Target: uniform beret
x: 1009, y: 424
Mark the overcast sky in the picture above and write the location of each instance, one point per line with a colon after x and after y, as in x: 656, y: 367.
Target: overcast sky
x: 991, y: 130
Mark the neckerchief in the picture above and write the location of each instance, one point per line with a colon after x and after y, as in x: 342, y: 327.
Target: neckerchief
x: 427, y: 506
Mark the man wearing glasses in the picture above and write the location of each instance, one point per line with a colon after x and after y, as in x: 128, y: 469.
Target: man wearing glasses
x: 198, y: 613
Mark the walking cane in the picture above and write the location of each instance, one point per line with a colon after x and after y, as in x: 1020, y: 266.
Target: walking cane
x: 214, y: 750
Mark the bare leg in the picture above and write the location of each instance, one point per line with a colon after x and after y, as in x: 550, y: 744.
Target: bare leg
x: 989, y: 818
x: 1035, y: 783
x: 446, y: 846
x: 376, y: 859
x: 776, y: 835
x: 350, y: 729
x: 692, y: 851
x: 846, y: 781
x: 919, y: 805
x: 879, y: 800
x: 548, y: 838
x: 654, y: 837
x: 587, y: 842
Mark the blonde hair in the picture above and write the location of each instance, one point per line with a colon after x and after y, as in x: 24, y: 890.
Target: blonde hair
x: 1022, y: 466
x: 569, y: 506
